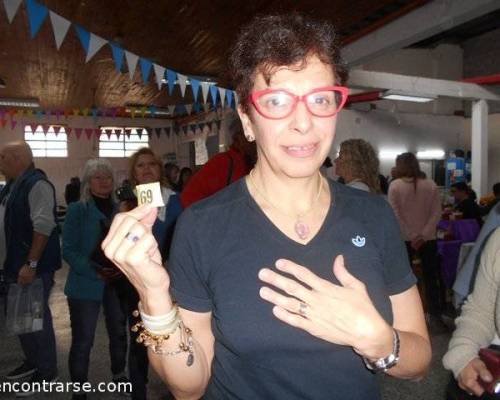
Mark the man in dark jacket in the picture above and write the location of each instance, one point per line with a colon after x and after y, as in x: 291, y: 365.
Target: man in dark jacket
x: 29, y: 249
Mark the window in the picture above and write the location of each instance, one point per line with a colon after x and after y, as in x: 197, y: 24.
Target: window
x: 47, y: 144
x: 121, y: 142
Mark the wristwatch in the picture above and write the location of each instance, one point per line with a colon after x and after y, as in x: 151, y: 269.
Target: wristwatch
x: 32, y: 264
x: 383, y: 364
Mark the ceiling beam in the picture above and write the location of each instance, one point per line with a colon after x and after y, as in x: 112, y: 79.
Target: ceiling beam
x: 418, y: 85
x: 426, y: 21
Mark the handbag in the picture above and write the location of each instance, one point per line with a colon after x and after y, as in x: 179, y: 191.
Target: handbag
x: 25, y: 305
x: 491, y: 359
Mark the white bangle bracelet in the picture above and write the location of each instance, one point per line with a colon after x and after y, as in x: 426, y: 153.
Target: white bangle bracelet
x: 163, y: 324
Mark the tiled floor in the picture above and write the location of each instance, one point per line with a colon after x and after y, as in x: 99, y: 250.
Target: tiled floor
x: 431, y: 388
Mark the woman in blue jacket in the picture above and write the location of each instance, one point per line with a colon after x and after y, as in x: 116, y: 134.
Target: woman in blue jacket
x: 92, y: 280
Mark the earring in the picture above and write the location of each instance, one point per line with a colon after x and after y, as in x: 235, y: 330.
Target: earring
x: 250, y: 138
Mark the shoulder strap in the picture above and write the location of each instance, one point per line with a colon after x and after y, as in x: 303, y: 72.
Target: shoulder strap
x: 230, y: 170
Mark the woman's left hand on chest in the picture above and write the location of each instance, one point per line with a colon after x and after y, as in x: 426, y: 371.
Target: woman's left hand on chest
x: 343, y: 314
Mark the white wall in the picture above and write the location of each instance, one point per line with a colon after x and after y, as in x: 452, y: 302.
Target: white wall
x: 60, y: 170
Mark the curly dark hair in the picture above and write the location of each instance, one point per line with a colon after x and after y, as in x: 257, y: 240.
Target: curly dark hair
x: 278, y: 40
x: 359, y: 157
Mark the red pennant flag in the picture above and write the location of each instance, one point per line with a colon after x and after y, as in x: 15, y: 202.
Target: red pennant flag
x: 3, y: 122
x: 33, y: 127
x: 12, y: 112
x: 89, y: 132
x: 13, y: 124
x: 97, y: 133
x: 67, y: 113
x: 68, y: 130
x: 78, y: 132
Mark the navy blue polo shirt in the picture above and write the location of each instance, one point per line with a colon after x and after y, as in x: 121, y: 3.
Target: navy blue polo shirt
x: 219, y: 246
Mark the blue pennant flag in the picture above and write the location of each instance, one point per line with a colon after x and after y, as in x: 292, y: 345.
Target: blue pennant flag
x: 36, y: 14
x: 117, y: 56
x: 39, y: 113
x: 213, y: 93
x: 84, y: 37
x: 93, y: 111
x: 229, y: 97
x: 171, y: 78
x: 196, y: 107
x: 195, y: 86
x: 145, y: 69
x: 152, y: 111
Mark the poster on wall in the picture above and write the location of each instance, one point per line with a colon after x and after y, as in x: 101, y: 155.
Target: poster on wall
x: 200, y: 150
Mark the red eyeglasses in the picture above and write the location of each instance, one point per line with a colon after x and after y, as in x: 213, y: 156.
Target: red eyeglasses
x: 280, y: 103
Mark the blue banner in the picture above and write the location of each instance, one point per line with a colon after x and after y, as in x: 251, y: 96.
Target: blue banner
x: 36, y: 15
x: 117, y: 56
x: 145, y: 69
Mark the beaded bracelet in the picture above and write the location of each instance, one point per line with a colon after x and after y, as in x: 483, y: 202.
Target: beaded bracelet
x: 154, y: 339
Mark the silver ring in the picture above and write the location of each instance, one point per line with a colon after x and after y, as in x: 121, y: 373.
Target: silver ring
x: 132, y: 237
x: 303, y: 309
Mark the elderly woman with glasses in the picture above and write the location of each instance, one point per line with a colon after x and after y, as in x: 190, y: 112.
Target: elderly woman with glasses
x: 286, y: 285
x: 93, y: 281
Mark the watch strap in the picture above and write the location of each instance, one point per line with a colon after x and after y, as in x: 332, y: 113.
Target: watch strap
x: 383, y: 364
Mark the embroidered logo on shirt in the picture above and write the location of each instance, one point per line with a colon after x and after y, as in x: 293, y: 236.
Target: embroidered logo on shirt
x: 358, y: 241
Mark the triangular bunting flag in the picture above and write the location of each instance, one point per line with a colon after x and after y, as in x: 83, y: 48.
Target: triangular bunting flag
x: 89, y: 132
x: 213, y: 94
x: 158, y: 132
x: 171, y: 110
x: 66, y: 113
x: 118, y: 133
x: 36, y: 15
x: 229, y: 97
x: 236, y: 100
x: 222, y: 95
x: 117, y: 56
x: 204, y: 90
x: 109, y: 132
x: 196, y: 107
x: 93, y: 111
x: 13, y: 124
x: 76, y: 112
x: 85, y: 112
x: 182, y: 79
x: 171, y: 78
x: 95, y: 44
x: 149, y: 132
x: 206, y: 107
x: 143, y: 111
x: 78, y: 132
x: 159, y: 74
x: 28, y: 113
x: 127, y: 132
x: 97, y: 133
x: 152, y: 111
x: 131, y: 62
x: 139, y: 132
x: 68, y: 131
x: 57, y: 113
x: 39, y: 113
x: 33, y: 127
x: 195, y: 86
x: 145, y: 69
x: 84, y: 37
x: 167, y: 131
x: 3, y: 122
x: 60, y: 28
x: 132, y: 112
x: 11, y: 7
x: 189, y: 108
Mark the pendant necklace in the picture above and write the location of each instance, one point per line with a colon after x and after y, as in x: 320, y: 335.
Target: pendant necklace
x: 301, y: 227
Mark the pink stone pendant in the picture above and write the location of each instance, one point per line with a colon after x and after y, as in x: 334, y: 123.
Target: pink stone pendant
x: 302, y: 229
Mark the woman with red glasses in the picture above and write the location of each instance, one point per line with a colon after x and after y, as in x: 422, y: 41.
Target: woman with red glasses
x: 286, y: 285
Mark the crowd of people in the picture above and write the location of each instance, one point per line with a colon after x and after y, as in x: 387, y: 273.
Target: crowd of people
x: 278, y: 282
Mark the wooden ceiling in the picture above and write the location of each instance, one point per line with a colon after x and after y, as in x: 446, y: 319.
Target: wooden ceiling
x: 191, y: 37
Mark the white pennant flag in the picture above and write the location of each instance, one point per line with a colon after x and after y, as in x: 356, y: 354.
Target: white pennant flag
x: 95, y: 44
x: 222, y: 94
x: 160, y: 74
x: 204, y: 90
x: 171, y: 110
x: 131, y: 62
x: 189, y: 108
x: 11, y: 7
x: 182, y: 82
x: 60, y: 28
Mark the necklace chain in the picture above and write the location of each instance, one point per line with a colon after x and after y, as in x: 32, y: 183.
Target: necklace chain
x: 301, y: 228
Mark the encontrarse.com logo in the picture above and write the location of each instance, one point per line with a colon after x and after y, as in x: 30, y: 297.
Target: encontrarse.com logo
x: 65, y: 387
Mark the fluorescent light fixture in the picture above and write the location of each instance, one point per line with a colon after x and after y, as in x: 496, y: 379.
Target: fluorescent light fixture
x: 436, y: 154
x: 30, y: 103
x: 390, y: 154
x: 2, y: 84
x: 402, y: 96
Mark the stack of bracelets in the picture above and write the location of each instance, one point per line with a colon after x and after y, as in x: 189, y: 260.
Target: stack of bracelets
x: 154, y: 330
